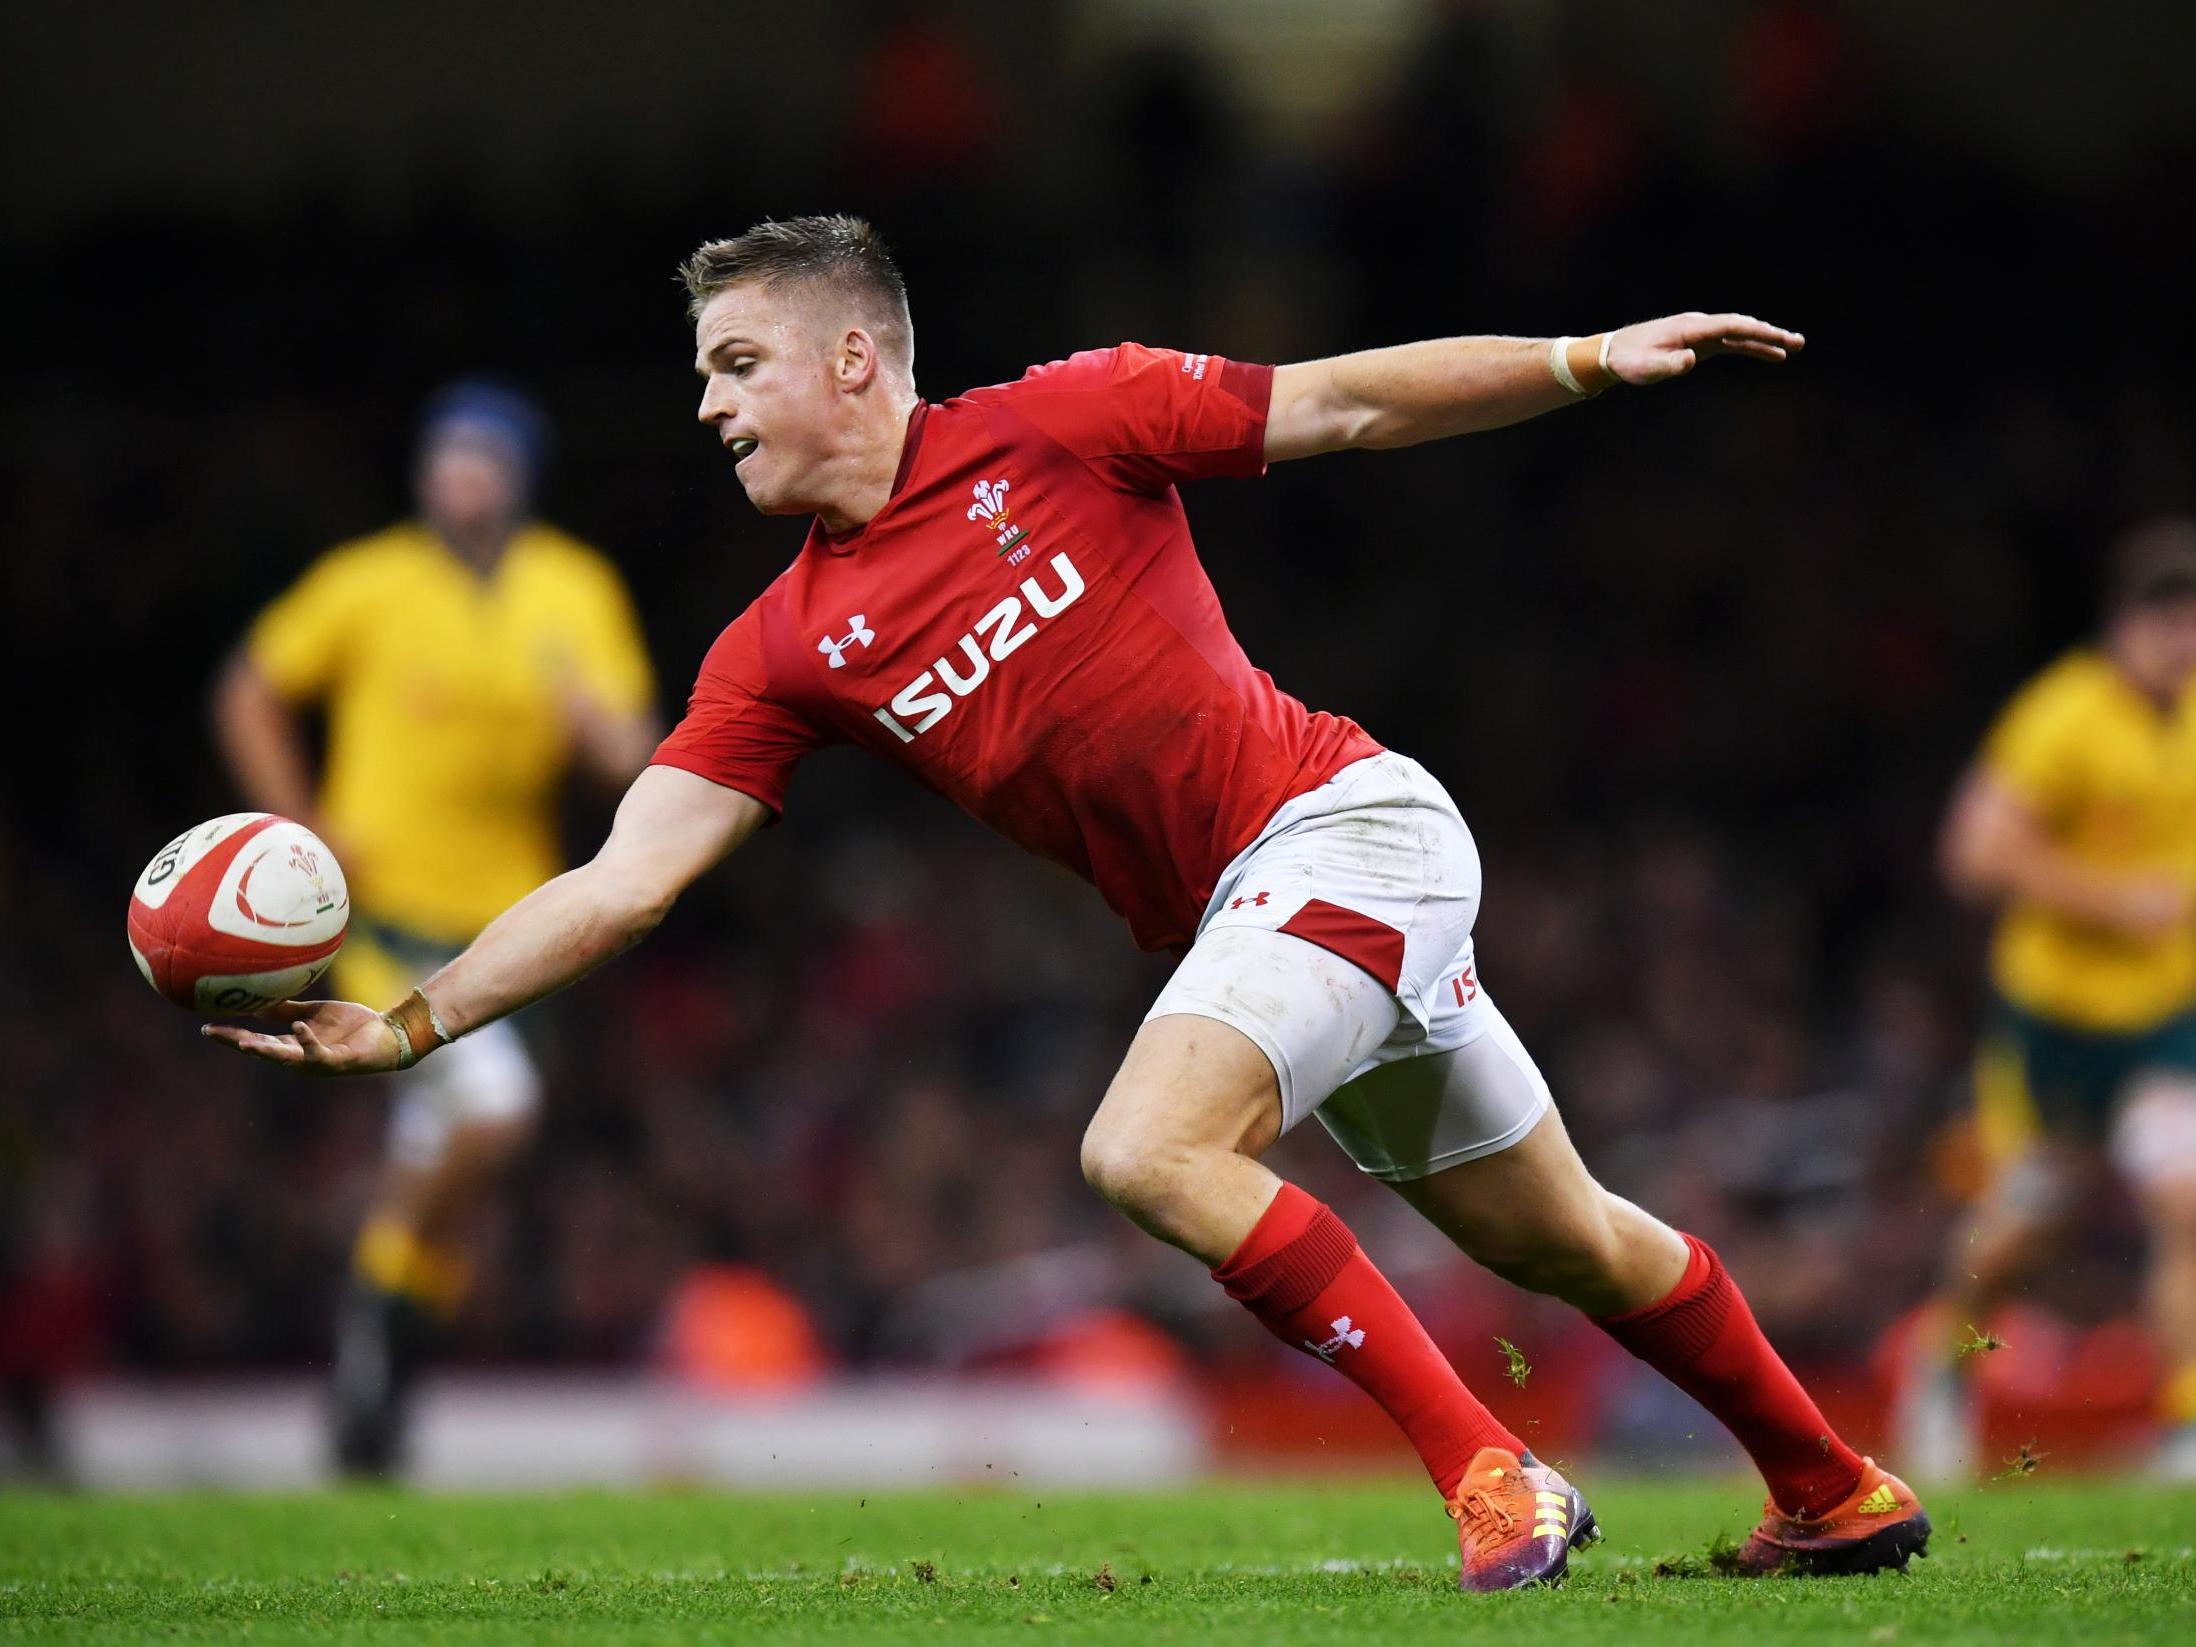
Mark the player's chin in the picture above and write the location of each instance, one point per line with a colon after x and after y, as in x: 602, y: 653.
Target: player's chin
x: 768, y: 500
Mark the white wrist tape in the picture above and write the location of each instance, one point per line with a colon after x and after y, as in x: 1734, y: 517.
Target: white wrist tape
x: 1559, y: 363
x: 1607, y: 338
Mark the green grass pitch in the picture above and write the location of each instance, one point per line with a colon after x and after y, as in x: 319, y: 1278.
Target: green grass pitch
x: 2027, y: 1561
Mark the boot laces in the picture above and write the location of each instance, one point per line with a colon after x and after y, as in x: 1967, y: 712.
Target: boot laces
x: 1484, y: 1520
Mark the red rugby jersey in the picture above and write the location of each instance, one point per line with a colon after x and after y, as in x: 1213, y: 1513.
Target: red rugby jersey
x: 1026, y: 628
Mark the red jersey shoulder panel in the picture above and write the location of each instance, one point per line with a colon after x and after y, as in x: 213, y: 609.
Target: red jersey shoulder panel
x: 1147, y: 418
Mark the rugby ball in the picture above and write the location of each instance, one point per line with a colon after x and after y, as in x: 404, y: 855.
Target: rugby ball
x: 242, y: 911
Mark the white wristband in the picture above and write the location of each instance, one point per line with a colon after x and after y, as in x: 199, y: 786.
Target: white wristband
x: 1559, y: 363
x: 1607, y: 338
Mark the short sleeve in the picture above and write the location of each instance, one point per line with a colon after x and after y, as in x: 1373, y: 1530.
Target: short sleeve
x: 608, y: 650
x: 299, y: 641
x: 2034, y: 749
x: 1147, y: 418
x: 734, y: 733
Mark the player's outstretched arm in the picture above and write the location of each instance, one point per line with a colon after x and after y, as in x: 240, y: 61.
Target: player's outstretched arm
x: 671, y: 826
x: 1457, y: 385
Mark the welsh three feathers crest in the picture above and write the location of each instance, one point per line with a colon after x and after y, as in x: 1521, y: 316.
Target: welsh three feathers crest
x: 990, y: 512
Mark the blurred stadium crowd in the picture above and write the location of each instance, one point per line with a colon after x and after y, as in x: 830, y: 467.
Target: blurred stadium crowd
x: 1700, y: 676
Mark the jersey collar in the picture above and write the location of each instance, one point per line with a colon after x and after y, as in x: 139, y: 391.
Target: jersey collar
x: 845, y: 543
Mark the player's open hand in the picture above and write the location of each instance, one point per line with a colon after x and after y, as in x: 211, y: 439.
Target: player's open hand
x: 325, y: 1038
x: 1670, y: 347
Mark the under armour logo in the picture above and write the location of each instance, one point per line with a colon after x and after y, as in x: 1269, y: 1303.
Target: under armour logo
x: 1260, y: 901
x: 1345, y: 1338
x: 858, y: 633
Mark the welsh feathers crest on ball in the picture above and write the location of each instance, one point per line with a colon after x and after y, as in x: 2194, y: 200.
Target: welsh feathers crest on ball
x: 238, y: 913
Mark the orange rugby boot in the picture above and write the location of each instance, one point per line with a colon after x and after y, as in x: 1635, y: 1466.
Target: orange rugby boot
x: 1880, y: 1524
x: 1517, y: 1522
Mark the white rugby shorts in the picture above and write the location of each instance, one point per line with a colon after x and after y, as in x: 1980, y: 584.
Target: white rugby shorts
x: 1340, y: 942
x: 486, y: 1076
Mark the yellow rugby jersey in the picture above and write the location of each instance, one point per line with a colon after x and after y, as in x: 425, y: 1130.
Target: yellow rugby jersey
x: 2113, y: 781
x: 446, y: 737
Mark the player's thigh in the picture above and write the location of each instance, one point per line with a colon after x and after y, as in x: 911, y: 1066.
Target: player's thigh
x: 1187, y: 1084
x: 1464, y: 1090
x: 1254, y: 1029
x: 1520, y: 1205
x: 1471, y: 1138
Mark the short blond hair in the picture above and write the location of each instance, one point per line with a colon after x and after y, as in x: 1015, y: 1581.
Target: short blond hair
x: 837, y: 250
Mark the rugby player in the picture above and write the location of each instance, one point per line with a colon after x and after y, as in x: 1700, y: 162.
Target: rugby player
x: 999, y: 595
x: 465, y: 661
x: 2077, y: 825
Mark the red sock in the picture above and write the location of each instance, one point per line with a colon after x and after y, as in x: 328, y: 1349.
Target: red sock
x: 1302, y: 1273
x: 1704, y: 1339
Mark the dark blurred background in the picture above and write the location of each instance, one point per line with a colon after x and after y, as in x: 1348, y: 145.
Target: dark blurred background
x: 1699, y: 669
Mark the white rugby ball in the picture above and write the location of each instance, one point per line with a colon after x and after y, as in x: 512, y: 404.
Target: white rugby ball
x: 242, y: 911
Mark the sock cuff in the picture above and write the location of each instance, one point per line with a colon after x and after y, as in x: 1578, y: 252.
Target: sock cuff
x: 1294, y: 1250
x: 1680, y: 1327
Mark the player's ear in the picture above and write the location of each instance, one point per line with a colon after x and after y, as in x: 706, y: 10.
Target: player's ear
x: 856, y: 364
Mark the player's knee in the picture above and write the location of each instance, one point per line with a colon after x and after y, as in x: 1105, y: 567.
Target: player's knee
x: 1134, y: 1170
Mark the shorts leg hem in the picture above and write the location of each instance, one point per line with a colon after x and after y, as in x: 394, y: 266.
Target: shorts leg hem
x: 1457, y: 1157
x: 1256, y: 1034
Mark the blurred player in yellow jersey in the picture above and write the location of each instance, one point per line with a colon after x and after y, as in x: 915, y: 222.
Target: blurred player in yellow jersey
x: 2078, y: 825
x: 465, y: 662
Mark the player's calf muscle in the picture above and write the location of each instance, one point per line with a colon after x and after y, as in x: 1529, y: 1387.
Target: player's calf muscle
x: 1594, y: 1250
x: 1572, y: 1254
